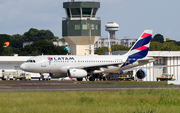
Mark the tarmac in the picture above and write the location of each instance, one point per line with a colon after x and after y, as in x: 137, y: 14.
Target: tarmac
x: 55, y: 85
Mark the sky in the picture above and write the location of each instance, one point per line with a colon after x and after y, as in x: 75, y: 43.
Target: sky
x: 133, y: 16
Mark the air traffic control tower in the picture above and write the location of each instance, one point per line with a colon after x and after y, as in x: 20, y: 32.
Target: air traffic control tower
x: 81, y: 28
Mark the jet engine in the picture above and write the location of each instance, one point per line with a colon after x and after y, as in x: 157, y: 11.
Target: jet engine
x: 140, y: 74
x: 77, y: 73
x: 122, y: 72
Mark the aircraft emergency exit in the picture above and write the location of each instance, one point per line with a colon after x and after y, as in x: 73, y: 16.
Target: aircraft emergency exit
x: 75, y: 66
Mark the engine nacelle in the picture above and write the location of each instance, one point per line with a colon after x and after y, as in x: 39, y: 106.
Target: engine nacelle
x: 140, y: 74
x: 122, y: 72
x: 77, y: 73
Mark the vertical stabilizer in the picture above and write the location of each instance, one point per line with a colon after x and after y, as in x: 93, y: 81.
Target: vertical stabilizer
x: 141, y: 47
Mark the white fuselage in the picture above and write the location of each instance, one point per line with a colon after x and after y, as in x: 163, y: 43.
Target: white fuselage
x: 60, y: 64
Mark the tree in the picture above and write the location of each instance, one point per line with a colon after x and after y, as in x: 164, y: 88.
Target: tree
x: 36, y: 35
x: 101, y: 51
x: 170, y: 46
x: 45, y: 35
x: 158, y: 38
x: 31, y: 35
x: 55, y: 38
x: 62, y: 39
x: 42, y: 47
x: 118, y: 47
x: 6, y: 37
x: 60, y: 50
x: 178, y: 43
x: 156, y: 46
x: 16, y: 41
x: 166, y: 46
x: 1, y: 44
x: 8, y: 51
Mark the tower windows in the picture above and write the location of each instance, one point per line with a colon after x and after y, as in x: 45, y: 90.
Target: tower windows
x: 84, y: 26
x: 94, y: 12
x: 75, y: 12
x: 77, y: 27
x: 86, y: 12
x: 96, y: 27
x: 68, y: 13
x: 92, y: 26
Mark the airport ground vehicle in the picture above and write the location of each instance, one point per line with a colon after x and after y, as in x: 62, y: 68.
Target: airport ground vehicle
x: 125, y: 77
x: 9, y: 74
x: 24, y: 76
x: 8, y: 77
x: 165, y: 77
x: 121, y: 77
x: 45, y: 76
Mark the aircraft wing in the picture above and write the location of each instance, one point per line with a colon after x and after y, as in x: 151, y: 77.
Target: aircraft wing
x: 149, y: 59
x: 101, y: 65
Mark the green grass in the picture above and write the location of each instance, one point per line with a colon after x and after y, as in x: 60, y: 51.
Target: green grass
x: 126, y: 83
x: 128, y: 101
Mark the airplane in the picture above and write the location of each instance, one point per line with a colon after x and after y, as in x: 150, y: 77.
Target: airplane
x: 88, y: 66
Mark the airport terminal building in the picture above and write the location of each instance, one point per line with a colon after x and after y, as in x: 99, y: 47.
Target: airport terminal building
x: 12, y: 63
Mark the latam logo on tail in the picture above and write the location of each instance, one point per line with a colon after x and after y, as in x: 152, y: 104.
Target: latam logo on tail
x: 141, y: 47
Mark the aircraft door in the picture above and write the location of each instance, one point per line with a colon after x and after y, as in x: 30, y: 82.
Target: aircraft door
x: 43, y: 61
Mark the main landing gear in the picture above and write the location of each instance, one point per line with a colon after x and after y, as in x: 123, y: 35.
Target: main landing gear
x: 93, y: 77
x: 79, y: 79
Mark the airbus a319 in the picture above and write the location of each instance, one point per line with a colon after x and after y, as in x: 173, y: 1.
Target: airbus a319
x: 79, y: 67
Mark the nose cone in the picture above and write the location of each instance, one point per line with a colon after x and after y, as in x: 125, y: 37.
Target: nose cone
x: 22, y: 66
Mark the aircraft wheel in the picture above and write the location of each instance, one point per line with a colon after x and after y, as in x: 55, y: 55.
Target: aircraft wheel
x: 104, y: 79
x: 40, y: 79
x: 91, y: 79
x: 79, y: 79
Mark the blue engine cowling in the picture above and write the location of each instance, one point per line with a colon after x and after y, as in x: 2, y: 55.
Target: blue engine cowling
x: 122, y: 72
x: 140, y: 74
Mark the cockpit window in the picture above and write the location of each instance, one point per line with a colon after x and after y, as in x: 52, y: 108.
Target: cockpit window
x: 31, y: 61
